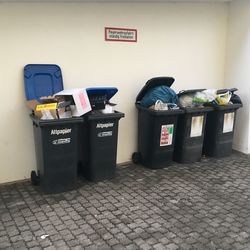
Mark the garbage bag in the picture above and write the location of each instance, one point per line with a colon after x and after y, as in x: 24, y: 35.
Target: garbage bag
x: 205, y: 96
x: 186, y: 100
x: 210, y: 94
x: 159, y: 105
x: 163, y: 93
x: 223, y: 99
x: 196, y: 97
x: 200, y: 98
x: 235, y: 99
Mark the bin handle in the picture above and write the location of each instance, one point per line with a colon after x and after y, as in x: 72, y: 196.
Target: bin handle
x: 34, y: 124
x: 223, y: 91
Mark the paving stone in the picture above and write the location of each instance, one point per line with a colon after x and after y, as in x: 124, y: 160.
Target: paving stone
x: 35, y: 248
x: 5, y: 244
x: 112, y: 241
x: 204, y: 205
x: 159, y: 246
x: 13, y: 239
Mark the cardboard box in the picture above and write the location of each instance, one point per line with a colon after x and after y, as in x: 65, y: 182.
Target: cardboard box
x: 81, y: 104
x: 50, y: 108
x: 64, y: 104
x: 43, y: 111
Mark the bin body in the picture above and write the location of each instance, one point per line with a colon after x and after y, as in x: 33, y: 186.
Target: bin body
x: 83, y: 145
x: 156, y: 136
x: 219, y: 130
x: 100, y: 145
x: 190, y: 134
x: 56, y: 153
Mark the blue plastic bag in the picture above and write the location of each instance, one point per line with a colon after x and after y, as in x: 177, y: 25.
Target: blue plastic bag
x: 163, y: 93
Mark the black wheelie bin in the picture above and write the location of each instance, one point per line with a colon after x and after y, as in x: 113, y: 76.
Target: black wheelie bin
x: 156, y: 129
x: 98, y: 145
x: 190, y: 131
x: 55, y: 140
x: 220, y: 125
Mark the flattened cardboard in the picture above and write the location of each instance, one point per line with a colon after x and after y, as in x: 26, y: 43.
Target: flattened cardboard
x: 43, y: 113
x: 80, y: 98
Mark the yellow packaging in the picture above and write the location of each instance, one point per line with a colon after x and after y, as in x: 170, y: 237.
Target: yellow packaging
x: 48, y: 106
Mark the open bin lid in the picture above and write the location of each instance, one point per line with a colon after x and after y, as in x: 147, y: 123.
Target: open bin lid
x: 42, y: 80
x: 102, y: 93
x: 154, y: 82
x: 189, y: 91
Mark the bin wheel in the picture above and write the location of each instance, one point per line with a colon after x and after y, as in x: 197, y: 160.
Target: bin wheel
x: 34, y: 178
x: 136, y: 157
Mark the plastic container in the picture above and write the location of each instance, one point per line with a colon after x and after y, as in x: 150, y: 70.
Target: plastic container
x: 219, y: 130
x: 99, y: 137
x: 55, y: 140
x: 156, y: 130
x: 190, y: 132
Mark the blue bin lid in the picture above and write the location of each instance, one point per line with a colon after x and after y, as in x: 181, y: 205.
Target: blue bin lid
x: 42, y: 80
x: 103, y: 93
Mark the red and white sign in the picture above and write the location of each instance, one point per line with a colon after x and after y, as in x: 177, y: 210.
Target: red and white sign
x: 120, y: 34
x: 166, y: 135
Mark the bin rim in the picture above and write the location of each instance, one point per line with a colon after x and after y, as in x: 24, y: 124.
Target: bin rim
x: 204, y: 109
x: 154, y: 82
x: 189, y: 91
x: 160, y: 112
x: 225, y: 107
x: 115, y: 115
x: 55, y: 122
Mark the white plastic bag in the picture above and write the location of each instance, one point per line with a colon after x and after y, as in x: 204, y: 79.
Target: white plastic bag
x: 159, y: 105
x: 186, y: 100
x: 210, y: 94
x: 204, y: 96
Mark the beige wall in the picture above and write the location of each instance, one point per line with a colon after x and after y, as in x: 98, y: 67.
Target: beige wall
x: 186, y: 41
x: 237, y: 68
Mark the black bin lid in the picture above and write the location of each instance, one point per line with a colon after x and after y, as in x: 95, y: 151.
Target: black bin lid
x: 154, y: 82
x: 189, y: 91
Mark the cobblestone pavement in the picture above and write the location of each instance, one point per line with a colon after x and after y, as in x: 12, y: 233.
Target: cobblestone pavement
x: 204, y: 205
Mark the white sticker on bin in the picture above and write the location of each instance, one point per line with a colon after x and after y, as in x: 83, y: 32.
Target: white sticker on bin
x: 166, y: 138
x: 228, y: 123
x: 105, y: 134
x: 61, y: 141
x: 196, y: 126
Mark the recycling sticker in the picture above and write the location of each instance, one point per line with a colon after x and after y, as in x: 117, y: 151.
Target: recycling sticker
x: 166, y: 138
